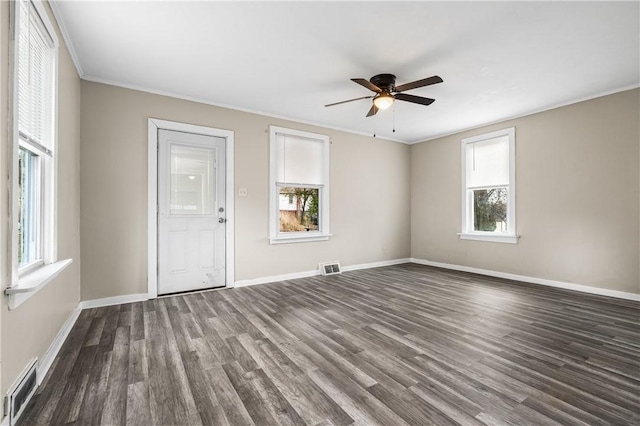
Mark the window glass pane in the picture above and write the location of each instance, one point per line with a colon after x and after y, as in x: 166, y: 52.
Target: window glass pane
x: 488, y: 162
x: 298, y: 209
x: 299, y: 160
x: 29, y: 205
x: 193, y: 181
x: 490, y: 210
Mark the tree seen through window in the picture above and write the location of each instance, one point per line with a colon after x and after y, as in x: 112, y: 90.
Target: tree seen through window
x: 490, y: 210
x: 298, y: 209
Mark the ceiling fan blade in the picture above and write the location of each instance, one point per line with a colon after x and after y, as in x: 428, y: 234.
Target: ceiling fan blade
x: 415, y: 99
x: 419, y: 83
x: 366, y: 83
x: 372, y: 111
x: 350, y: 100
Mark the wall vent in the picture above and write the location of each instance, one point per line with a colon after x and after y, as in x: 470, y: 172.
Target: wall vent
x: 330, y: 268
x: 19, y: 395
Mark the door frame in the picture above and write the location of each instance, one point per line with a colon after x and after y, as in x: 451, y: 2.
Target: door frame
x: 154, y: 126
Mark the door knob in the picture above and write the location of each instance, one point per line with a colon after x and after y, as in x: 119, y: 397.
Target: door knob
x: 221, y: 220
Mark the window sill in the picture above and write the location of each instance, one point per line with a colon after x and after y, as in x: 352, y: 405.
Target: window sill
x: 31, y: 283
x: 299, y: 238
x: 509, y: 239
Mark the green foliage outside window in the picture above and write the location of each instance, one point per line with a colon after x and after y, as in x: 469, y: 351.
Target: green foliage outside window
x: 490, y: 210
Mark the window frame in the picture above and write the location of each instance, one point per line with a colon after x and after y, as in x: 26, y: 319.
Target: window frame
x: 323, y: 232
x: 467, y: 231
x: 39, y: 180
x: 27, y: 279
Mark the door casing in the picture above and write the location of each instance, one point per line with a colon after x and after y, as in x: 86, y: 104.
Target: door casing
x: 152, y: 194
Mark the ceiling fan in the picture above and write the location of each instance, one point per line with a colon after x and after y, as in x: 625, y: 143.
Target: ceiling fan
x: 384, y: 85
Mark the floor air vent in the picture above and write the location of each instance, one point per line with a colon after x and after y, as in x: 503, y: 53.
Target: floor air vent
x: 20, y: 394
x: 330, y: 268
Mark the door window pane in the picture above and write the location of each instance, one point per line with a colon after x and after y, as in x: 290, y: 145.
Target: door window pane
x: 29, y: 205
x: 298, y: 209
x: 193, y: 181
x: 490, y: 210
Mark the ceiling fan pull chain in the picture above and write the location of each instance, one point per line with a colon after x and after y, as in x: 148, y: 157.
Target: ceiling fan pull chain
x: 375, y: 121
x: 394, y: 118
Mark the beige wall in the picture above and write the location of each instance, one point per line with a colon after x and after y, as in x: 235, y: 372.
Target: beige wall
x: 28, y: 330
x: 577, y: 189
x: 369, y: 192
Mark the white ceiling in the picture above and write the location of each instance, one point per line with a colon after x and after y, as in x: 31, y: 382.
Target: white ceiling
x: 288, y: 59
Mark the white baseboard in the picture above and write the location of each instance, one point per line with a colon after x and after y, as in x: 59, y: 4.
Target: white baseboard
x: 275, y: 278
x: 116, y: 300
x: 50, y: 355
x: 307, y: 274
x: 375, y: 264
x: 533, y: 280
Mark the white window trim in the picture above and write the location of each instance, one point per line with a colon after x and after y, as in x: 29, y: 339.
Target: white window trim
x: 467, y: 232
x: 276, y: 237
x: 26, y: 282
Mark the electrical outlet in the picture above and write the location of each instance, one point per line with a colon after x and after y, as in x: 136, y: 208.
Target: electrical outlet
x: 242, y: 192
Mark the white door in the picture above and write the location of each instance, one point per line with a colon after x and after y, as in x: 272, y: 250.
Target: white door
x: 191, y: 212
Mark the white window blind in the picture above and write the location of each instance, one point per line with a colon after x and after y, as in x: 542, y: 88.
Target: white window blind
x: 488, y: 163
x: 35, y: 78
x: 299, y: 160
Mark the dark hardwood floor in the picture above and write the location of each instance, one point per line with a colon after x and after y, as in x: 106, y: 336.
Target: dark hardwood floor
x: 406, y: 344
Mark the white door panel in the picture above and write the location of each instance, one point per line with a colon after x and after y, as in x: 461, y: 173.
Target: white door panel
x: 191, y: 212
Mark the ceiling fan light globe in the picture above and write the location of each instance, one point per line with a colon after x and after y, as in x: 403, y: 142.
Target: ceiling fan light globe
x: 383, y: 101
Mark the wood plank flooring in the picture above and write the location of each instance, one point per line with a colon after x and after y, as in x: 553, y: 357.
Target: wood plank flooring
x: 399, y: 345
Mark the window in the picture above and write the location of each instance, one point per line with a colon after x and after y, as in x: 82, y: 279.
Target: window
x: 299, y: 187
x: 35, y: 70
x: 33, y: 149
x: 488, y: 193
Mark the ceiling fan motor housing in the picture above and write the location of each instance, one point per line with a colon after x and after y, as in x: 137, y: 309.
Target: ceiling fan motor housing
x: 387, y: 82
